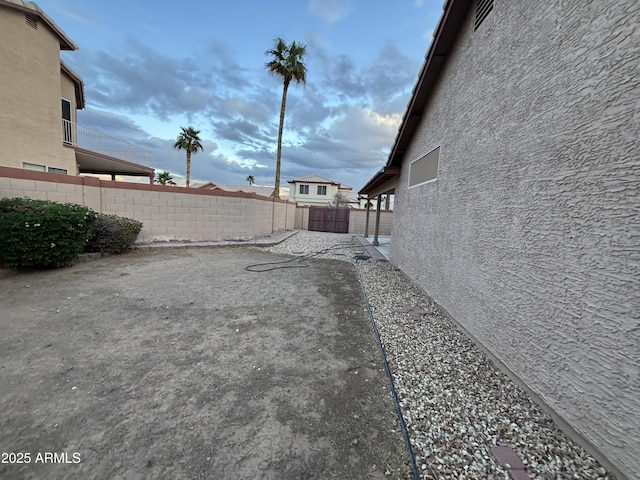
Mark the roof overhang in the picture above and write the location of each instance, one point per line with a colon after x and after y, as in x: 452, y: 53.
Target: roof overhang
x: 31, y: 8
x: 384, y: 181
x: 100, y: 164
x: 77, y: 82
x: 444, y: 37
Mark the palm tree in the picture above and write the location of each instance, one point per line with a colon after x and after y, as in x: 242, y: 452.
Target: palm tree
x: 286, y: 64
x: 189, y: 141
x: 164, y: 178
x: 251, y: 180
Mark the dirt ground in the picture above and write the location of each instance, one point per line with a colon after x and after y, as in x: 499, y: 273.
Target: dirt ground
x: 182, y: 364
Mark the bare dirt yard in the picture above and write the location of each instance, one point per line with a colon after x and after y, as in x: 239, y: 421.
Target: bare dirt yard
x: 182, y: 364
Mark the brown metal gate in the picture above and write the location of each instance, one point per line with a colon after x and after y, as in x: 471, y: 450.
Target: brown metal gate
x: 329, y: 219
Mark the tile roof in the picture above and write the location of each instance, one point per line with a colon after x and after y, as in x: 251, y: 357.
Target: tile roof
x: 313, y: 179
x: 264, y: 191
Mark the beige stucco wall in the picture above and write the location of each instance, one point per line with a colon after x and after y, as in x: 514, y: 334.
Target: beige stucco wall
x: 168, y: 213
x: 302, y: 218
x: 530, y: 237
x: 30, y: 120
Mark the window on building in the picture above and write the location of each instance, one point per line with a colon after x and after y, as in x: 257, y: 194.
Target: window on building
x: 43, y: 168
x: 34, y: 166
x: 424, y: 169
x: 322, y: 189
x: 67, y: 127
x: 304, y: 189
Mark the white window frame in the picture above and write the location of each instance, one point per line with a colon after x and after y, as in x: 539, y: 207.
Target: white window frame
x: 424, y: 157
x: 322, y: 190
x: 305, y: 188
x: 34, y: 167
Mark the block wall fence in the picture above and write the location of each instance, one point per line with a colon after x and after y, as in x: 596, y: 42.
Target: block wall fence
x: 167, y: 213
x: 176, y: 213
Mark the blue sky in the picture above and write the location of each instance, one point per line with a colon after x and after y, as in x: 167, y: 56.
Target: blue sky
x: 150, y: 67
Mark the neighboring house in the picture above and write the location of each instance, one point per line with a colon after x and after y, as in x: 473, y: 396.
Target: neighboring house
x: 40, y: 95
x: 516, y: 176
x: 318, y: 190
x: 264, y: 191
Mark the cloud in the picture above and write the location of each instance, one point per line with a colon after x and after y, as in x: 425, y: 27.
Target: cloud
x: 145, y: 81
x: 242, y: 132
x: 341, y: 124
x: 387, y: 75
x: 375, y: 131
x: 329, y: 10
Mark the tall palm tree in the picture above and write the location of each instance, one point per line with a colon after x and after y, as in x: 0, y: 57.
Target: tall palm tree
x: 189, y: 141
x: 286, y: 64
x: 164, y: 178
x: 251, y: 180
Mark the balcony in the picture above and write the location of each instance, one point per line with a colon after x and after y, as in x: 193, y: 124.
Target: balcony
x: 97, y: 153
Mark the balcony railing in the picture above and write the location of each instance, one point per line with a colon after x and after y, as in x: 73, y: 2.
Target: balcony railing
x: 82, y: 137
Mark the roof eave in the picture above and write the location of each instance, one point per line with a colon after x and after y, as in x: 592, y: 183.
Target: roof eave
x: 78, y: 83
x: 65, y: 41
x: 445, y: 35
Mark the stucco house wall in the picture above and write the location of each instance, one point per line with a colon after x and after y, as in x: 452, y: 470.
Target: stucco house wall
x: 530, y: 236
x: 31, y: 65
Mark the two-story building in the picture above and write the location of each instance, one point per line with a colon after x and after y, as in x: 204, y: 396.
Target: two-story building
x: 318, y: 190
x: 40, y: 96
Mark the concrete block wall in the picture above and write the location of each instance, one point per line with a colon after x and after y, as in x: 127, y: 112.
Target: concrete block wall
x: 167, y: 213
x: 357, y: 221
x: 530, y: 236
x: 302, y: 217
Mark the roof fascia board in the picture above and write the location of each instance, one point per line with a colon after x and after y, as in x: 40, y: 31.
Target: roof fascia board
x: 445, y: 36
x: 65, y: 41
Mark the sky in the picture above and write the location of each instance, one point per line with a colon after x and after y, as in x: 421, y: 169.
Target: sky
x: 151, y: 67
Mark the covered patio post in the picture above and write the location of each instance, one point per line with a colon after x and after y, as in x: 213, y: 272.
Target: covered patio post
x: 375, y: 234
x: 366, y: 218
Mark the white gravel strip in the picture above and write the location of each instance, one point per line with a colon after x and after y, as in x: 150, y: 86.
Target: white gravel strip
x: 455, y: 402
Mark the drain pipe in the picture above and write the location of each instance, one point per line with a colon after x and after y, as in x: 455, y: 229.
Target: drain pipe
x: 394, y: 395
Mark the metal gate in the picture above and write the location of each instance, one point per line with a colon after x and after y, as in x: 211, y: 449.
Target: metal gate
x: 329, y: 219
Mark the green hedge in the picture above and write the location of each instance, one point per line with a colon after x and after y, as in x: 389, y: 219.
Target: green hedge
x: 113, y: 234
x: 42, y: 234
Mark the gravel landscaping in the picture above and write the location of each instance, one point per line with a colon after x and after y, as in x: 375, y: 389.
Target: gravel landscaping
x: 455, y: 402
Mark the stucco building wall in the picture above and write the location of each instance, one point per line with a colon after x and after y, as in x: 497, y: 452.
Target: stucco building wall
x: 31, y: 110
x: 530, y: 236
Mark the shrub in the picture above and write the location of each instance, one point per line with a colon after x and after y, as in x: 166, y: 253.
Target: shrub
x: 42, y: 234
x: 112, y: 234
